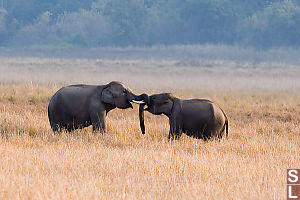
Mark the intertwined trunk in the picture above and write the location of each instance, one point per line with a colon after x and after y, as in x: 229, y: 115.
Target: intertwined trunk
x: 141, y: 111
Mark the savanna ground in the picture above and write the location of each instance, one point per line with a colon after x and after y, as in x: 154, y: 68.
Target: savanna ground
x: 262, y: 101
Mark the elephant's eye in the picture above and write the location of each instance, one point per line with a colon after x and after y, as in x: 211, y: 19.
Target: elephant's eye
x: 124, y: 91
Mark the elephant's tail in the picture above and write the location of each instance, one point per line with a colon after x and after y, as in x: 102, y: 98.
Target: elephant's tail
x: 226, y: 124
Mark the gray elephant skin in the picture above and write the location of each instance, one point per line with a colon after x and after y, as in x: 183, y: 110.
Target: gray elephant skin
x: 78, y: 106
x: 198, y: 118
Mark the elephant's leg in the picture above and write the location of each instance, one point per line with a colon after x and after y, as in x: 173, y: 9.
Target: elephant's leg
x: 69, y: 128
x: 98, y: 122
x: 178, y: 135
x: 207, y: 135
x: 99, y: 126
x: 55, y: 128
x: 175, y: 128
x: 171, y: 135
x: 220, y: 135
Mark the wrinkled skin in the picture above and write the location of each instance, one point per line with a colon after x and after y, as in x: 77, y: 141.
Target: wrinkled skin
x: 198, y: 118
x: 79, y: 106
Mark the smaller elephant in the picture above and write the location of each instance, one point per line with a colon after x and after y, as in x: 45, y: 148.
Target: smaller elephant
x: 79, y: 106
x: 198, y: 118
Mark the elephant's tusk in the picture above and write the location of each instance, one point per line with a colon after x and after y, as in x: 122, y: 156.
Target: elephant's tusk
x: 138, y: 102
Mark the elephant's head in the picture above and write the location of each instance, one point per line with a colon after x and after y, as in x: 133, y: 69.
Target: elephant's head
x: 116, y: 94
x: 157, y: 104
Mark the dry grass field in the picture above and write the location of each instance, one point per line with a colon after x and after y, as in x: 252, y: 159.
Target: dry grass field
x: 262, y: 101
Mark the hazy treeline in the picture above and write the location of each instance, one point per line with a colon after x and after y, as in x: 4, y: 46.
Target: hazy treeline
x: 98, y: 23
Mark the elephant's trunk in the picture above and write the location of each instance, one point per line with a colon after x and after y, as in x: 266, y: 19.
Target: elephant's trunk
x: 139, y: 99
x: 141, y: 115
x: 141, y: 111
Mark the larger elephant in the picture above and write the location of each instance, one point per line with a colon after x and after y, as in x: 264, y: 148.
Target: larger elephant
x: 79, y: 106
x: 199, y: 118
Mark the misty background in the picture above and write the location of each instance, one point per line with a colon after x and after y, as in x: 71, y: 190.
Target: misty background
x: 44, y: 24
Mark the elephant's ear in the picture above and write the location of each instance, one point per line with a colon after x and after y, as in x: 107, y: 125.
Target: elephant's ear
x: 107, y: 96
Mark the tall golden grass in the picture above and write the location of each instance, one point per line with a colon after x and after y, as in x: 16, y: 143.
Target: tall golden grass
x: 264, y: 134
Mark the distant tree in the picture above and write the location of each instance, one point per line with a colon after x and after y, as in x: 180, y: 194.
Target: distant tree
x: 3, y: 28
x: 249, y: 7
x: 35, y: 33
x: 27, y: 11
x: 3, y: 14
x: 196, y: 21
x: 129, y: 20
x: 276, y: 25
x: 22, y: 11
x: 210, y: 21
x: 258, y: 23
x: 83, y: 28
x: 61, y: 6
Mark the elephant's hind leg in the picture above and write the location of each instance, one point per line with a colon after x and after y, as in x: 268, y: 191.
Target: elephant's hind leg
x: 220, y: 135
x: 69, y: 128
x: 55, y: 128
x: 221, y: 132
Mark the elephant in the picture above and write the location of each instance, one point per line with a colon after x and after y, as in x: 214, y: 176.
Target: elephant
x: 78, y: 106
x: 198, y: 118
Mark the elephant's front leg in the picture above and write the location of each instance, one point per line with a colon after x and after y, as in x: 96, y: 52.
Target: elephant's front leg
x: 98, y: 122
x: 99, y: 126
x: 171, y: 135
x: 175, y: 129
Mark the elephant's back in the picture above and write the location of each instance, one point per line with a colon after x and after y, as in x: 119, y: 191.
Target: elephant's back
x: 77, y: 90
x: 198, y: 107
x: 212, y: 109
